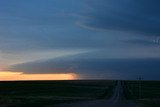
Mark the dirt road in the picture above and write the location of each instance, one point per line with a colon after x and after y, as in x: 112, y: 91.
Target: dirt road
x: 117, y: 100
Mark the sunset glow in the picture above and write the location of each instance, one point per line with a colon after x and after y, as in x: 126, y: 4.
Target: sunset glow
x: 14, y: 76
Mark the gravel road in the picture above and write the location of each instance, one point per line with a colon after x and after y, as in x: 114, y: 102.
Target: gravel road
x: 117, y: 100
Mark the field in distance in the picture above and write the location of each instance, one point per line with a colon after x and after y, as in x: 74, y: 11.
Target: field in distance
x: 147, y: 93
x: 48, y: 93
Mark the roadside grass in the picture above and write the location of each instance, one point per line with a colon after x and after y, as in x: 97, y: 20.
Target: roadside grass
x: 149, y: 103
x: 42, y: 93
x: 149, y: 95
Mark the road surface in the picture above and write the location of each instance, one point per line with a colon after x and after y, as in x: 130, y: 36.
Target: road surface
x: 117, y: 100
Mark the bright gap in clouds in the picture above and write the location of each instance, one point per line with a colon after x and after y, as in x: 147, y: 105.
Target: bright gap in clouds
x: 16, y: 76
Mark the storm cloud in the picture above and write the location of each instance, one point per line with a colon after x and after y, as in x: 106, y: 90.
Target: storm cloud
x: 96, y: 68
x: 92, y: 38
x: 136, y: 16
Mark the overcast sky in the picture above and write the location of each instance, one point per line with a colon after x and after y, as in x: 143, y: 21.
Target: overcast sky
x: 96, y: 39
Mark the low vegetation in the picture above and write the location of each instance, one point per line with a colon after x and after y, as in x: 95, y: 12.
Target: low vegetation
x: 45, y: 93
x: 147, y: 93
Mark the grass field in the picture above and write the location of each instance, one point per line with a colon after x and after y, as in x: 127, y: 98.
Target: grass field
x: 147, y: 93
x: 45, y: 93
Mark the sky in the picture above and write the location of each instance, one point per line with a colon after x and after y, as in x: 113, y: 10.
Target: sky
x: 79, y: 39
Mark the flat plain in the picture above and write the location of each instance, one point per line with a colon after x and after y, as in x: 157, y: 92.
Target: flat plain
x: 80, y: 93
x: 146, y: 93
x: 48, y: 93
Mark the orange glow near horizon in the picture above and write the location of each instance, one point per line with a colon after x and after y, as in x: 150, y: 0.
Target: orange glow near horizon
x: 15, y: 76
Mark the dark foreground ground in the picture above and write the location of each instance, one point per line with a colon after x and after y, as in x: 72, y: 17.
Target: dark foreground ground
x: 82, y: 93
x: 117, y: 100
x: 49, y: 93
x: 146, y: 93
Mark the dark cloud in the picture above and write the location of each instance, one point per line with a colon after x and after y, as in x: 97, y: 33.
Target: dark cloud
x: 40, y: 26
x: 50, y: 25
x: 143, y: 42
x: 96, y: 68
x: 136, y: 16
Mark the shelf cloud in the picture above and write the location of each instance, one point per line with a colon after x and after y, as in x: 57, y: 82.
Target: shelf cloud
x: 92, y: 38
